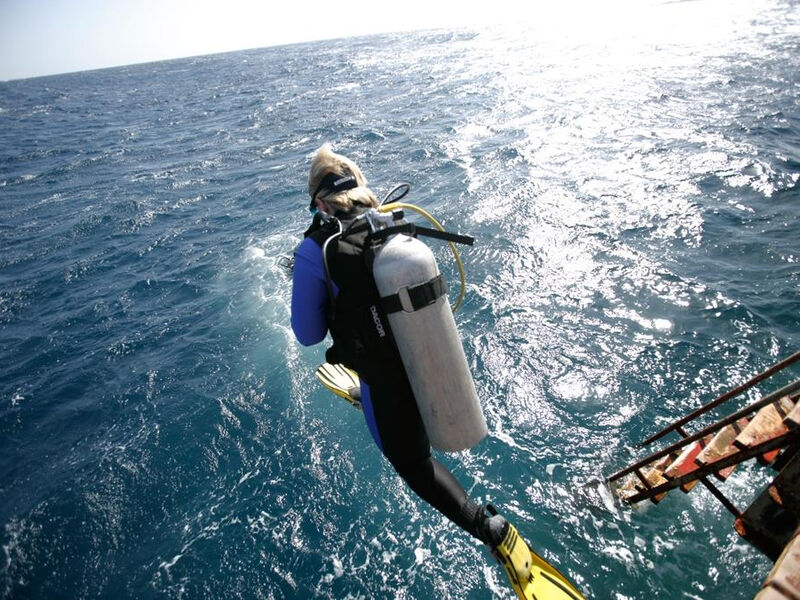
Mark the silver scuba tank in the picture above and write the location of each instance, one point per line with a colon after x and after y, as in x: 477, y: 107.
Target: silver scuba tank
x: 415, y: 300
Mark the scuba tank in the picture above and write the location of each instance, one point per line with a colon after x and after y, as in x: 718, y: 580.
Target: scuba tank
x: 414, y: 299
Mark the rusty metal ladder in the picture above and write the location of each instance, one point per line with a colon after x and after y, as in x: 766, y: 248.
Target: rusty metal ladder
x: 650, y: 482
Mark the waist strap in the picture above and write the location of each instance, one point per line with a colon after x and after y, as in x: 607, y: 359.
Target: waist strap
x: 419, y: 296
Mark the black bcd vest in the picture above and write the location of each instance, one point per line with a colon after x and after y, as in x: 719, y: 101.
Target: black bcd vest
x: 360, y: 330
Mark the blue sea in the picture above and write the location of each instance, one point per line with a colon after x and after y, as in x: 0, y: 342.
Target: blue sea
x: 631, y: 180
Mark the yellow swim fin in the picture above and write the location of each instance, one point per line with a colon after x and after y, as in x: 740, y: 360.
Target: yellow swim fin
x: 341, y: 381
x: 531, y: 576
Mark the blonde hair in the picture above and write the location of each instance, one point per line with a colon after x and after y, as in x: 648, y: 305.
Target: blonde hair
x: 326, y: 161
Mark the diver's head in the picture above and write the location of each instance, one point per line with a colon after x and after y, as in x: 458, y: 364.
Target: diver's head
x: 336, y: 184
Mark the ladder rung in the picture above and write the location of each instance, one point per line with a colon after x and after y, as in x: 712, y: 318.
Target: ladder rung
x: 685, y: 463
x: 721, y: 446
x: 766, y: 425
x: 792, y: 420
x: 654, y: 474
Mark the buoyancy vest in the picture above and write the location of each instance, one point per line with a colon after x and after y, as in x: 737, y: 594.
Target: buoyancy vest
x: 358, y: 325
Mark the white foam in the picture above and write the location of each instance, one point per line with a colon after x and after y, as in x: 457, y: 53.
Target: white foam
x: 254, y: 253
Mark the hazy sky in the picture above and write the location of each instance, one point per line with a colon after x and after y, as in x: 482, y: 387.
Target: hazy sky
x: 41, y: 37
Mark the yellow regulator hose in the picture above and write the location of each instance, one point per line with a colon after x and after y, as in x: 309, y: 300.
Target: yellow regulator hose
x: 462, y: 292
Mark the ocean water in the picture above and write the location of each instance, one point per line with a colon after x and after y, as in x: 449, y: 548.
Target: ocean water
x: 632, y: 183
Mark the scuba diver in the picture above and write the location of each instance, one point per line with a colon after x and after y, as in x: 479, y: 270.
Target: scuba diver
x: 338, y: 189
x: 416, y: 390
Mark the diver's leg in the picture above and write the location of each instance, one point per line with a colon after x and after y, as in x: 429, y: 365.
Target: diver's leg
x: 396, y: 426
x: 435, y: 484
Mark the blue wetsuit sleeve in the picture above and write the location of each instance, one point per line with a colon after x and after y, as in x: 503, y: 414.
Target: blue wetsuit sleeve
x: 309, y: 308
x: 309, y: 294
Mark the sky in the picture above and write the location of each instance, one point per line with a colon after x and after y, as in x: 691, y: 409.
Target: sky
x: 44, y: 37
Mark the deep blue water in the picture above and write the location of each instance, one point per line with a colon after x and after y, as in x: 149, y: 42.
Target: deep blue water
x: 633, y: 188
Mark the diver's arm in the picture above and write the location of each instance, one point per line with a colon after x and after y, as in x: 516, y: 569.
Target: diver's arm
x: 309, y: 294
